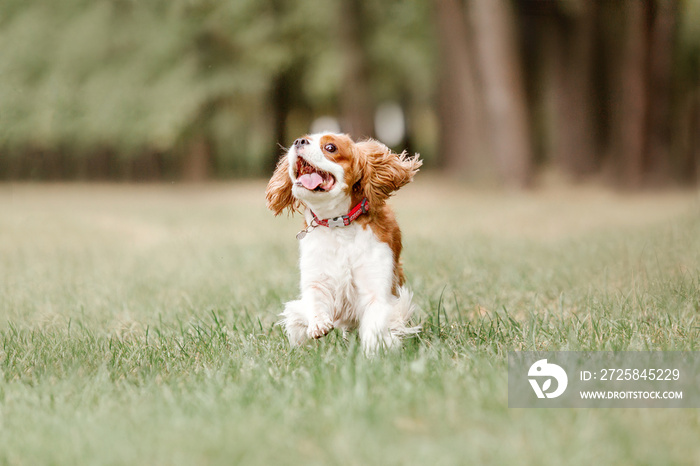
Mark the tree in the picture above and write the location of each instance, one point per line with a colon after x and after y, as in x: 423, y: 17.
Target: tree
x: 483, y: 116
x: 508, y: 126
x: 461, y: 136
x: 633, y: 95
x: 571, y: 48
x: 355, y: 98
x: 662, y: 47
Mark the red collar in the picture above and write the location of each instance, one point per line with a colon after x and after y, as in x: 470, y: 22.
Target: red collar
x: 344, y: 220
x: 341, y: 221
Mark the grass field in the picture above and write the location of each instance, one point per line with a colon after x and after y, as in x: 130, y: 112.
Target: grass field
x: 137, y: 327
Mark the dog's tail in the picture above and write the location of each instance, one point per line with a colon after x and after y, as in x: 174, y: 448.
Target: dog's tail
x: 403, y: 310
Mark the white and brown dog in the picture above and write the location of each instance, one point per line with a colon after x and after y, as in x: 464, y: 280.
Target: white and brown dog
x: 351, y: 275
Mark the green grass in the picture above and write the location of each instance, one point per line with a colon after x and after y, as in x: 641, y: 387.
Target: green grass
x: 138, y: 328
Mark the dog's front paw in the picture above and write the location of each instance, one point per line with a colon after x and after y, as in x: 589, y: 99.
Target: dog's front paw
x: 319, y: 327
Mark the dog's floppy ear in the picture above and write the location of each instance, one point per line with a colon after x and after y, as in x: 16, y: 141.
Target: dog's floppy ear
x: 381, y: 171
x: 279, y: 190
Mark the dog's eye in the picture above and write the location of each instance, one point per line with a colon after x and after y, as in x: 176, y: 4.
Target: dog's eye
x: 330, y: 148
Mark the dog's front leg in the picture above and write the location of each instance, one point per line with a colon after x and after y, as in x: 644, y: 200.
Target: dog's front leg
x: 374, y: 326
x: 318, y: 300
x: 310, y: 316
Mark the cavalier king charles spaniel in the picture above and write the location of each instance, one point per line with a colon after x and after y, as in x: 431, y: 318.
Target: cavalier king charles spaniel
x: 351, y: 275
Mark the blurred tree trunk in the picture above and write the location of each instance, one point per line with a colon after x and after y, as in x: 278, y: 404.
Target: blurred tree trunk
x: 461, y: 140
x: 695, y: 147
x: 357, y: 117
x: 661, y: 54
x: 571, y: 46
x: 633, y: 95
x: 508, y: 125
x: 100, y: 165
x: 198, y: 160
x: 407, y: 105
x: 281, y: 106
x: 690, y: 162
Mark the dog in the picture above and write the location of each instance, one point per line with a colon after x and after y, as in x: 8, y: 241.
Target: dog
x: 350, y: 246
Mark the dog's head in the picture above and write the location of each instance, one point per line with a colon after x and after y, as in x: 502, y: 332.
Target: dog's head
x: 330, y: 172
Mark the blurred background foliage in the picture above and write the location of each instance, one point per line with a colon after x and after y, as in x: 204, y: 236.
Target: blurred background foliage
x: 491, y: 91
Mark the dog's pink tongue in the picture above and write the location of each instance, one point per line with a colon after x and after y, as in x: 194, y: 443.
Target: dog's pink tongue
x: 311, y: 180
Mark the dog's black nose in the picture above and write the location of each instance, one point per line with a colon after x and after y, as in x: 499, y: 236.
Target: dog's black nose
x: 300, y: 142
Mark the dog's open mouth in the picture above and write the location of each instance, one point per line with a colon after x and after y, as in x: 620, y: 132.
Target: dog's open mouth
x: 311, y: 178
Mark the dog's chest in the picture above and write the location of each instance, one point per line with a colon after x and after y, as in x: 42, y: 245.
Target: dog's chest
x: 343, y: 254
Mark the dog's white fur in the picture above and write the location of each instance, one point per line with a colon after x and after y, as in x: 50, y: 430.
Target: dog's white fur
x: 350, y: 276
